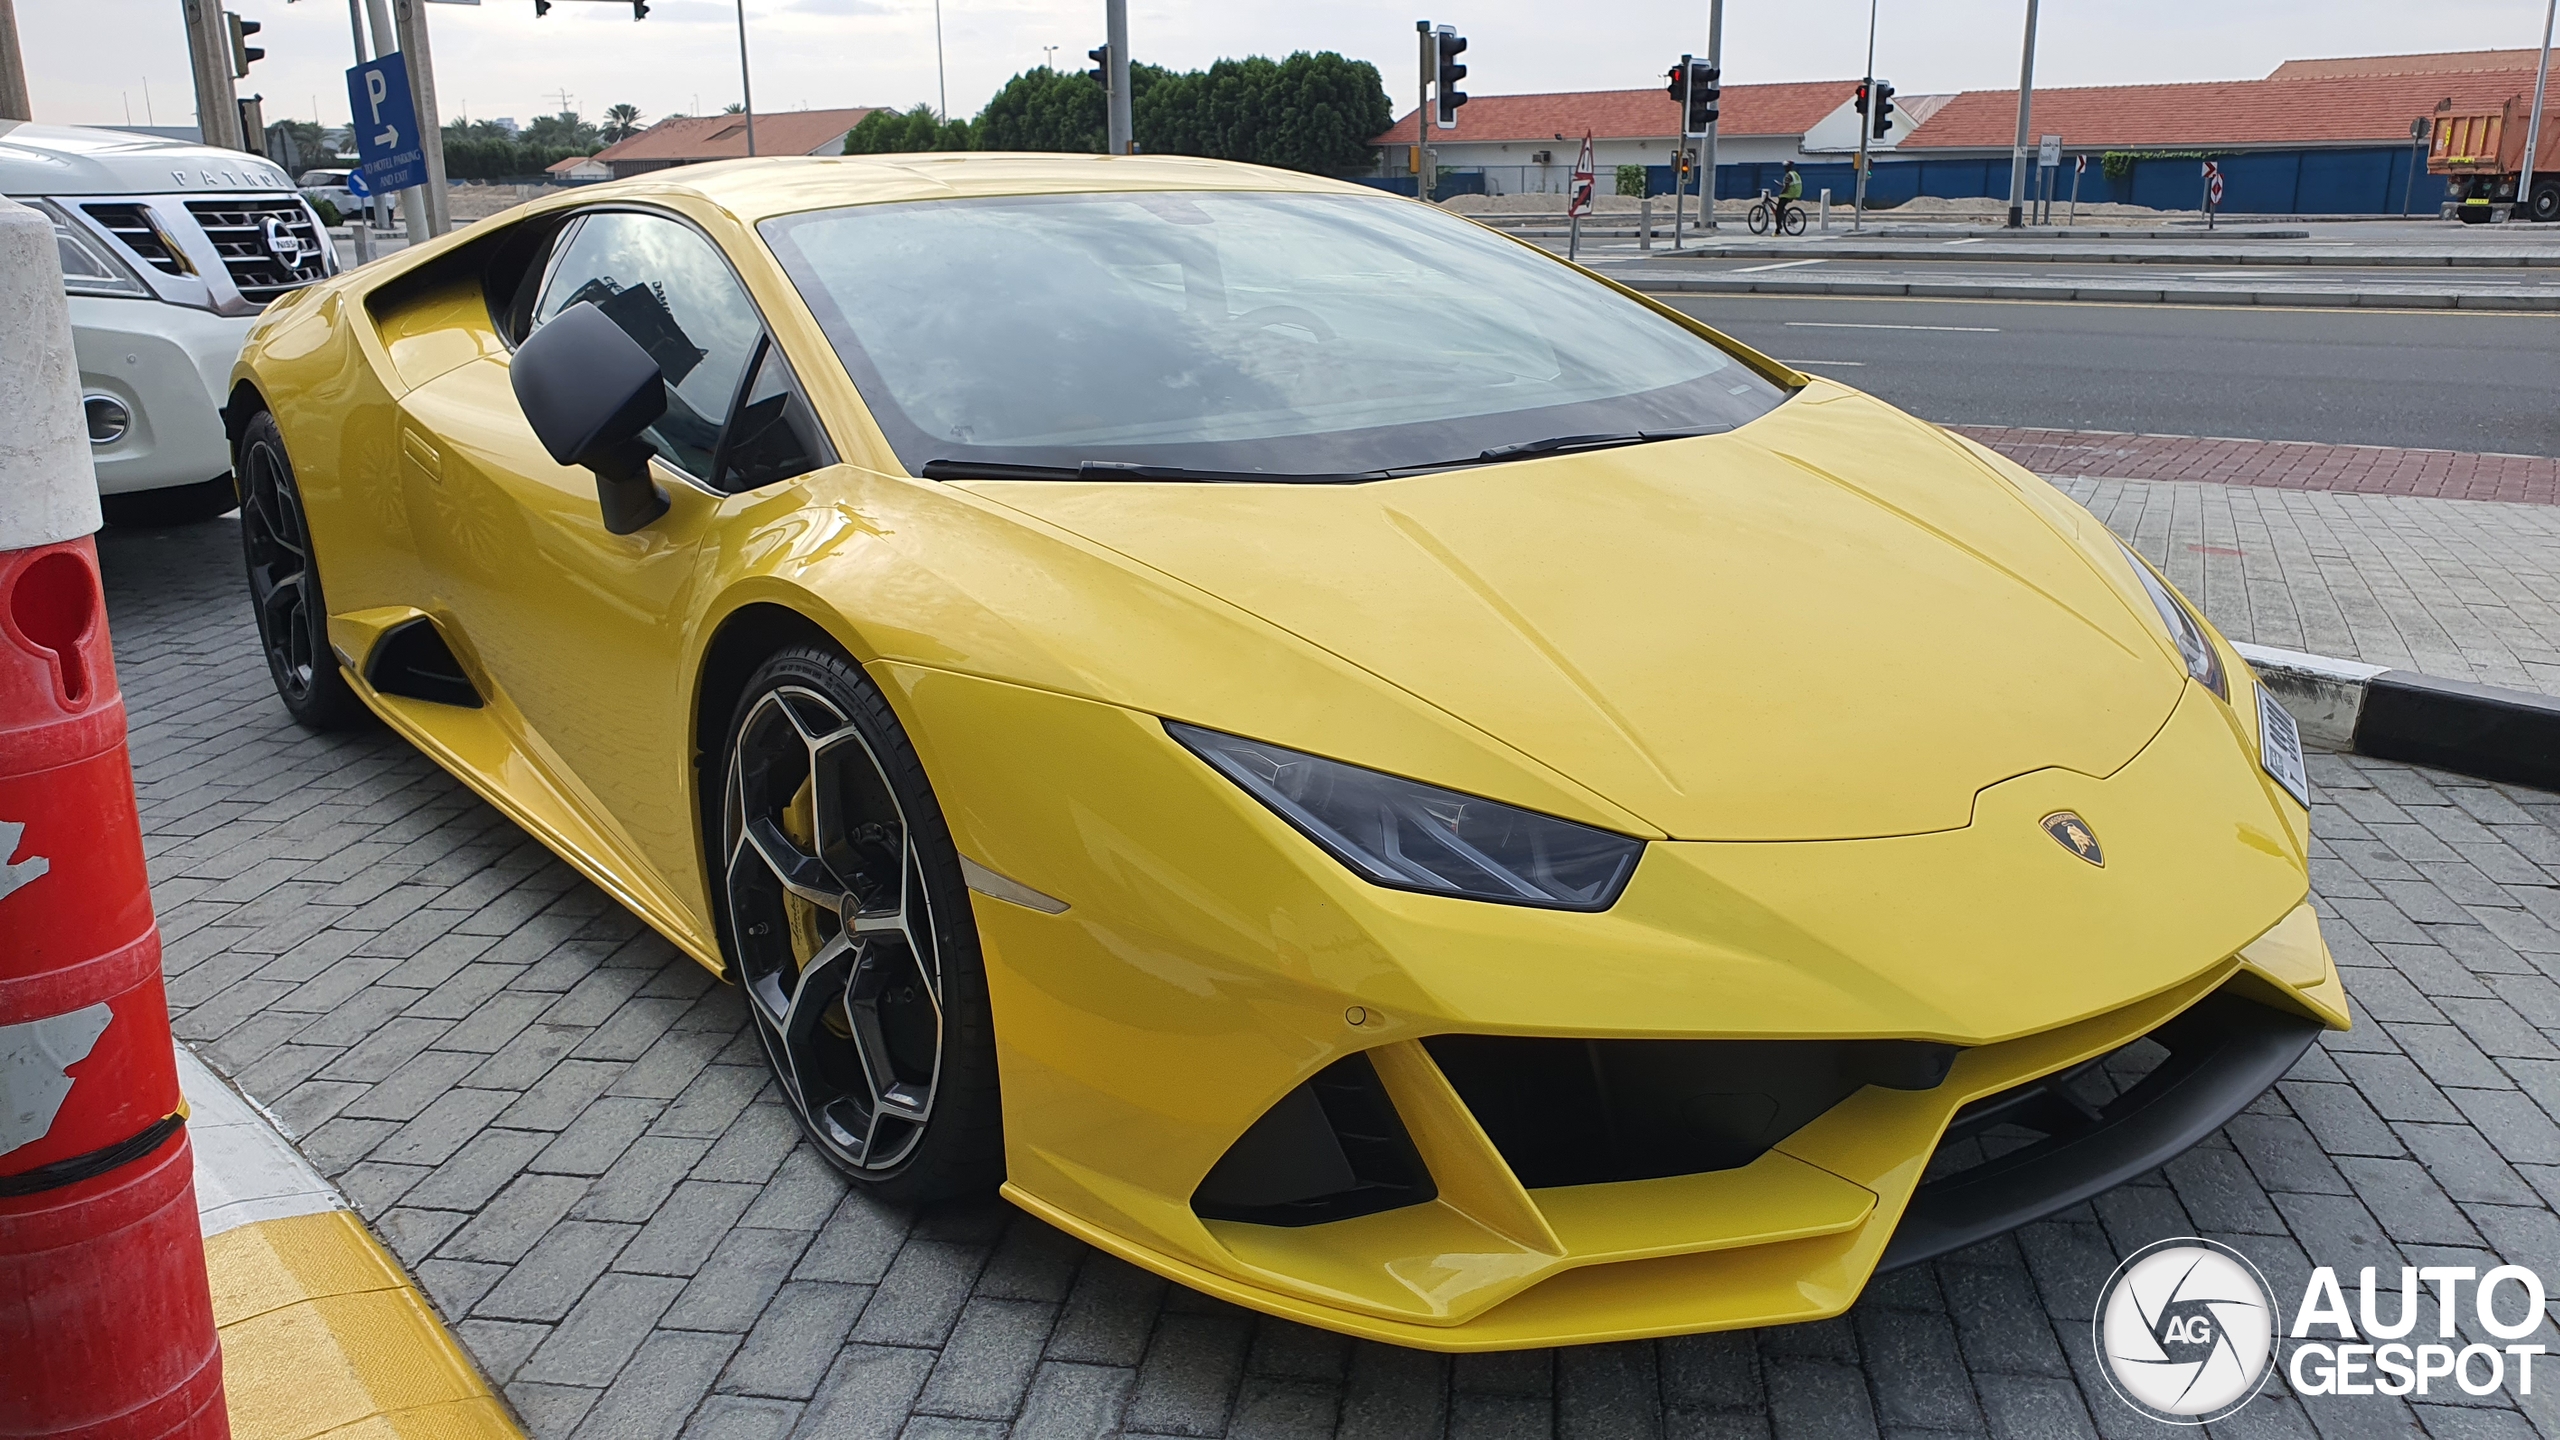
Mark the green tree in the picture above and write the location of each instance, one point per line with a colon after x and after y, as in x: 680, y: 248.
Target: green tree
x: 1312, y: 112
x: 1631, y: 180
x: 564, y: 132
x: 892, y: 132
x: 733, y: 108
x: 1044, y: 109
x: 621, y: 122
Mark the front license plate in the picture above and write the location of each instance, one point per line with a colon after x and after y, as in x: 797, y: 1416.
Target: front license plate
x: 2280, y: 747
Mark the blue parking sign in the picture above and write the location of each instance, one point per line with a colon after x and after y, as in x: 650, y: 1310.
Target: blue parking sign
x: 386, y: 124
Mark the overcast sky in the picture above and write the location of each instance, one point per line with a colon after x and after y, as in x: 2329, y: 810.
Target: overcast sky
x: 94, y: 61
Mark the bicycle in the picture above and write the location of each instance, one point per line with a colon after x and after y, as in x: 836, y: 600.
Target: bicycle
x: 1788, y: 218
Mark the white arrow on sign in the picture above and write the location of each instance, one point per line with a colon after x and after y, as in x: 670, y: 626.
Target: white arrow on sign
x: 389, y: 139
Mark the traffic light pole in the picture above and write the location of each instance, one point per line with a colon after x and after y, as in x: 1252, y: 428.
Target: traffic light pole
x: 209, y: 46
x: 2026, y: 100
x: 2533, y: 128
x: 1116, y: 16
x: 1707, y: 153
x: 1680, y: 154
x: 1422, y: 112
x: 1866, y: 125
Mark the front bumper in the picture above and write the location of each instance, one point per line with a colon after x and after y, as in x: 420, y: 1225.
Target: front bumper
x: 169, y: 365
x: 1211, y: 963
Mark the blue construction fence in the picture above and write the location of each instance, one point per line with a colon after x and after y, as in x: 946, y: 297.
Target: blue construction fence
x: 2365, y: 181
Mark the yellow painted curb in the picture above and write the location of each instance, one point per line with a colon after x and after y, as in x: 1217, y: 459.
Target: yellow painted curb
x: 324, y: 1335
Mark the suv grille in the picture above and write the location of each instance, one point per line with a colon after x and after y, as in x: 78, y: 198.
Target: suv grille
x: 132, y: 225
x: 238, y: 230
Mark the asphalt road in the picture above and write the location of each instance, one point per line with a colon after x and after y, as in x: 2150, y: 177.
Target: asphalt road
x: 2066, y: 271
x: 2485, y: 381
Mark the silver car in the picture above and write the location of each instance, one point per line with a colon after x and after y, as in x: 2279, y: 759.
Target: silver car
x: 169, y: 251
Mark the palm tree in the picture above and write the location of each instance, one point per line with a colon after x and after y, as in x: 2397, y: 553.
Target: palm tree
x: 621, y: 122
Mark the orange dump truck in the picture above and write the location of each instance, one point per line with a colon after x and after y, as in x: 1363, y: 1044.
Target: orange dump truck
x: 2481, y: 156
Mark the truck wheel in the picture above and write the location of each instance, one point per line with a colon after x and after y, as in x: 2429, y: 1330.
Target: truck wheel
x: 2546, y: 201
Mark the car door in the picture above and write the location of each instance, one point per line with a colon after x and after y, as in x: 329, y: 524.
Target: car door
x: 581, y: 631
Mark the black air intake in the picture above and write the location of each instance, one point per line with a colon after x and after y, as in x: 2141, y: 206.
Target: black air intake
x: 1589, y: 1112
x: 1330, y: 1149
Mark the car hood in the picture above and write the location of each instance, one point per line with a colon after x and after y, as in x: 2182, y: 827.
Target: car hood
x: 1832, y: 623
x: 78, y: 160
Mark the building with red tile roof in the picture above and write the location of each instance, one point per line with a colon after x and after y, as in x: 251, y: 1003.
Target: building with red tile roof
x: 1528, y: 143
x: 2312, y: 111
x: 2432, y: 64
x: 692, y: 139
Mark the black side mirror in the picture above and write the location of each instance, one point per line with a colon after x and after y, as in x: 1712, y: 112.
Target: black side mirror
x: 589, y: 390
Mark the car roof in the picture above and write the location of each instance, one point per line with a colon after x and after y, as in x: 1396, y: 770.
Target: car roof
x: 781, y: 185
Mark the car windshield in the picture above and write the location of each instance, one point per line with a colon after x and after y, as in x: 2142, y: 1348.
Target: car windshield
x: 1245, y: 333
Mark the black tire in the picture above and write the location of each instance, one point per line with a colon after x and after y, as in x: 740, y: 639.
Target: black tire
x: 284, y: 584
x: 176, y: 505
x: 1794, y: 223
x: 843, y: 977
x: 1758, y: 219
x: 2546, y: 201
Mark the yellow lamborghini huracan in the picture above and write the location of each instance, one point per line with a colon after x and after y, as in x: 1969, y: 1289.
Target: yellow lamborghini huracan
x: 1328, y: 752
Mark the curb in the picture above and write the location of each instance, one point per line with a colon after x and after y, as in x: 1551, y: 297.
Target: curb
x: 2105, y: 294
x: 2484, y: 731
x: 1821, y: 250
x: 322, y: 1332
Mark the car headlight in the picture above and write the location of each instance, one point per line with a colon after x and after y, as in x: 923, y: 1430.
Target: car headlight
x: 2203, y: 661
x: 88, y: 268
x: 1409, y: 836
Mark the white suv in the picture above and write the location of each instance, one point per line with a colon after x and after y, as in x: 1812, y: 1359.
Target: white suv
x: 169, y: 251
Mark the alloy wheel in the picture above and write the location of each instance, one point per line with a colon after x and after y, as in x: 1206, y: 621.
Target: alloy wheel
x: 280, y: 582
x: 834, y: 929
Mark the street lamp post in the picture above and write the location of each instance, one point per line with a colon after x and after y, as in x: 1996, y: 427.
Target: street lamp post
x: 1707, y: 152
x: 2026, y: 99
x: 2533, y: 129
x: 746, y: 87
x: 941, y: 82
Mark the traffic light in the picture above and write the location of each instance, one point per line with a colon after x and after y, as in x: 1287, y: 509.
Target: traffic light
x: 1100, y: 55
x: 243, y: 54
x: 1451, y: 45
x: 1704, y: 91
x: 1884, y: 108
x: 1862, y: 97
x: 541, y: 8
x: 639, y: 9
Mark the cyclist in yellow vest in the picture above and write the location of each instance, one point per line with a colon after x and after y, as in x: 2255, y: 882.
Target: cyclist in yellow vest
x: 1789, y: 194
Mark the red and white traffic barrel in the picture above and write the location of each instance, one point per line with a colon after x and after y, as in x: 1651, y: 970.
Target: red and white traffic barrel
x: 106, y: 1321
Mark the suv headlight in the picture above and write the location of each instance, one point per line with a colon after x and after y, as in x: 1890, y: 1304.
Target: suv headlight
x: 88, y: 268
x: 2203, y: 661
x: 1409, y: 836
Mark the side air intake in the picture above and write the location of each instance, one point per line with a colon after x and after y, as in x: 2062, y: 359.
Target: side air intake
x: 1331, y: 1149
x: 411, y: 660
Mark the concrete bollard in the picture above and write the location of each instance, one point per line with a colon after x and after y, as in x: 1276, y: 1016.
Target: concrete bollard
x: 1826, y: 207
x: 1644, y: 222
x: 48, y: 489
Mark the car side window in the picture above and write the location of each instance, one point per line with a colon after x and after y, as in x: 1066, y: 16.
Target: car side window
x: 774, y: 435
x: 668, y: 289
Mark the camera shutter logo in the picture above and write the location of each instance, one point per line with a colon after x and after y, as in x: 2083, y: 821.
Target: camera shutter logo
x: 2186, y: 1330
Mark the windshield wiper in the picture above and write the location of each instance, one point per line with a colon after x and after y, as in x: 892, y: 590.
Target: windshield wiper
x: 1122, y: 470
x: 1565, y: 444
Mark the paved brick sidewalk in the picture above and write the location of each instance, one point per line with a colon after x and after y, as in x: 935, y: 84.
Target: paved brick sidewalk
x: 566, y: 1131
x: 2283, y: 464
x: 2465, y: 589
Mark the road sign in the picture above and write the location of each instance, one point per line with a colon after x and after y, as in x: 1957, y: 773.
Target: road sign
x: 1583, y: 179
x: 2213, y: 181
x: 2079, y: 164
x: 2419, y: 127
x: 2049, y: 151
x: 357, y: 187
x: 386, y: 123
